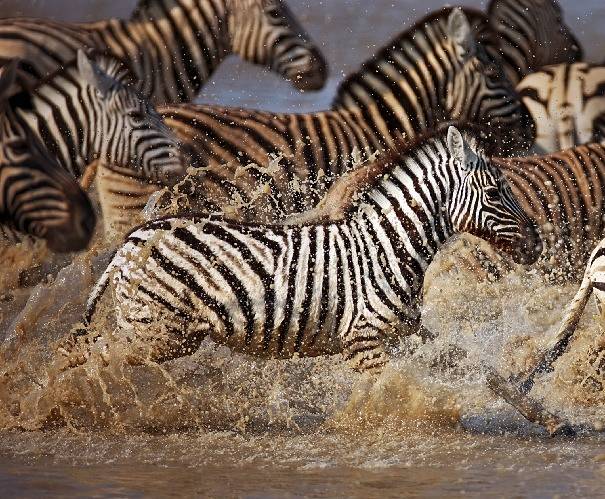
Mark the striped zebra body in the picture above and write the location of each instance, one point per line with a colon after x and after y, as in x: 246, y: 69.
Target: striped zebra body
x: 352, y: 286
x: 528, y: 35
x: 171, y: 47
x: 37, y: 197
x: 567, y: 102
x: 431, y: 73
x: 88, y: 113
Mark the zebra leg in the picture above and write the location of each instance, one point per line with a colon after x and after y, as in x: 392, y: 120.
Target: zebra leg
x: 364, y: 347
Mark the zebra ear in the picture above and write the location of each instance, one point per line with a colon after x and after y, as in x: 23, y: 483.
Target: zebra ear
x: 460, y: 149
x: 93, y: 74
x: 460, y: 32
x: 8, y: 75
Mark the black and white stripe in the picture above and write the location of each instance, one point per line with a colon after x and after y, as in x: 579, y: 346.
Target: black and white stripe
x: 171, y: 47
x: 567, y: 103
x: 353, y: 286
x: 433, y: 72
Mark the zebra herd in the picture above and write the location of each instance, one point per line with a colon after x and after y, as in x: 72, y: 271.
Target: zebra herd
x: 275, y: 261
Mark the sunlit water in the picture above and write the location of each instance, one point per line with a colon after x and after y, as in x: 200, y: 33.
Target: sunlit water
x: 222, y: 424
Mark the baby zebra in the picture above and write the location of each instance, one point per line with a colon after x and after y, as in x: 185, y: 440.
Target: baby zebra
x: 171, y: 47
x: 89, y: 112
x: 567, y: 103
x: 352, y: 286
x: 594, y: 280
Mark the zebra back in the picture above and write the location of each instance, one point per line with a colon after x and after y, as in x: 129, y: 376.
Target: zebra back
x: 434, y: 72
x: 172, y: 47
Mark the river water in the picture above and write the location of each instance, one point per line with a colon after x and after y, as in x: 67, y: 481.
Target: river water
x: 217, y: 424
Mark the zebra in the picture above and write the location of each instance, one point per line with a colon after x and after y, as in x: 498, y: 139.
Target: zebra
x: 433, y: 72
x: 316, y: 289
x: 275, y: 291
x: 172, y: 47
x: 529, y: 34
x: 593, y: 281
x: 37, y: 197
x: 89, y: 112
x: 567, y: 103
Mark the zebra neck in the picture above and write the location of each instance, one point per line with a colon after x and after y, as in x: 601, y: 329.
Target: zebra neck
x: 404, y: 223
x: 391, y: 90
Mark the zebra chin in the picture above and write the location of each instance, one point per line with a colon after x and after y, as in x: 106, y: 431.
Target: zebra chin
x: 312, y: 77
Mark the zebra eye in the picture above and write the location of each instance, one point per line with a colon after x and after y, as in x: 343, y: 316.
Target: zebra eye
x: 492, y: 194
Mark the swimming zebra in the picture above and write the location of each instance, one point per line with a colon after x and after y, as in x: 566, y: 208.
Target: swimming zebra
x: 433, y: 72
x: 37, y: 197
x: 567, y: 103
x: 529, y: 34
x: 89, y: 112
x: 315, y: 289
x: 171, y: 47
x: 593, y: 281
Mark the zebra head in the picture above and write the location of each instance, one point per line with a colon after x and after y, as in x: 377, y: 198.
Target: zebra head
x: 482, y: 203
x: 480, y: 93
x: 266, y: 32
x: 37, y: 196
x: 532, y: 34
x: 131, y: 136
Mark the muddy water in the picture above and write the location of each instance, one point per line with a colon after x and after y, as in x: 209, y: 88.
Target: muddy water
x: 222, y: 424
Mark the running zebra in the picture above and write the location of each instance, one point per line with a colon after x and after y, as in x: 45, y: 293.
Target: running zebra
x: 433, y: 72
x: 276, y: 291
x: 567, y: 102
x: 89, y: 112
x: 37, y: 197
x: 593, y: 281
x: 171, y: 47
x: 529, y: 34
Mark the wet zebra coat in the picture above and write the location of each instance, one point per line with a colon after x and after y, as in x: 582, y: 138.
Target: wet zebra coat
x: 37, y: 197
x: 352, y: 286
x: 567, y: 103
x: 171, y: 47
x: 433, y: 72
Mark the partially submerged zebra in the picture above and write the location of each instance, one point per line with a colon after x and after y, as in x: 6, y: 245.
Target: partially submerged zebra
x: 567, y: 103
x: 37, y: 196
x: 352, y: 286
x: 171, y: 47
x: 433, y: 72
x: 89, y: 112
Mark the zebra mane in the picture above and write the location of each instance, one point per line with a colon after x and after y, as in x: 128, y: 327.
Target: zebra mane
x: 475, y: 17
x: 111, y: 65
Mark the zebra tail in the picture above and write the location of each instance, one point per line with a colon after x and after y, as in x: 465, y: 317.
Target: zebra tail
x: 567, y: 329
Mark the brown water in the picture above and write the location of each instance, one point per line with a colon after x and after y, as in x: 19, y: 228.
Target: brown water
x: 222, y: 424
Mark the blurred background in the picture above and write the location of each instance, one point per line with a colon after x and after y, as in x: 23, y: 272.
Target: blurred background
x: 349, y: 32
